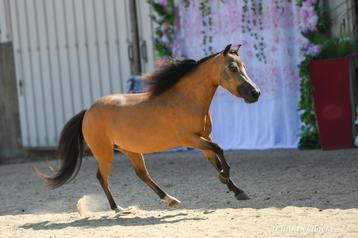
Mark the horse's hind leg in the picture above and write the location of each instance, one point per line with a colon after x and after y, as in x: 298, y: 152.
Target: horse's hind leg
x: 104, y: 157
x: 138, y: 164
x: 102, y: 176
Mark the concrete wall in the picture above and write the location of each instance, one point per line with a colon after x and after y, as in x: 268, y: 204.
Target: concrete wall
x: 10, y: 135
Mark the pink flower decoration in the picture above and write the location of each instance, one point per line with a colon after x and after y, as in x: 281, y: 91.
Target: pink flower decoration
x: 311, y: 49
x: 162, y: 62
x: 253, y: 16
x: 306, y: 4
x: 164, y: 3
x: 308, y: 16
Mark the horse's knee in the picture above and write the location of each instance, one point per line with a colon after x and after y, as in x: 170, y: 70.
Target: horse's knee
x: 217, y: 149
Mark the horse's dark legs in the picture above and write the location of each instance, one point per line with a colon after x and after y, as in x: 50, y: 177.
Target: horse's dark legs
x: 215, y: 162
x: 104, y: 157
x: 138, y: 164
x: 107, y: 191
x: 212, y: 157
x: 217, y: 154
x: 216, y: 157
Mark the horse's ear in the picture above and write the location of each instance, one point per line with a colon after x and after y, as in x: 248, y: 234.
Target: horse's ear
x: 237, y: 48
x: 227, y: 50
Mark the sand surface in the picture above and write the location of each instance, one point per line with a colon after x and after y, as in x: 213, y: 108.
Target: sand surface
x: 293, y: 194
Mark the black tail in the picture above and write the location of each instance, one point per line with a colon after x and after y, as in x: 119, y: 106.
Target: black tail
x: 70, y: 151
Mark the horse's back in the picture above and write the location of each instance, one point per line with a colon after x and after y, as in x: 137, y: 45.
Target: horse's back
x: 99, y: 118
x: 130, y: 121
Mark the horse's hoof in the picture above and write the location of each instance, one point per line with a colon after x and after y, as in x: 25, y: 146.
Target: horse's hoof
x: 121, y: 211
x: 174, y: 203
x: 171, y: 201
x: 118, y: 209
x: 242, y: 196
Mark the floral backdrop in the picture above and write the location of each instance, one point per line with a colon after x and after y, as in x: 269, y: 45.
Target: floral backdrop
x: 270, y: 34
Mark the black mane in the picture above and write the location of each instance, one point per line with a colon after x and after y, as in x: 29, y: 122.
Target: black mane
x: 165, y: 78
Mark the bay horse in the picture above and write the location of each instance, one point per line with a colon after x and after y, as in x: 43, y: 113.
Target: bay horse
x: 173, y: 113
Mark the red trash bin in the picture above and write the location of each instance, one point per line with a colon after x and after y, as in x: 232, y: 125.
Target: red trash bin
x: 332, y: 102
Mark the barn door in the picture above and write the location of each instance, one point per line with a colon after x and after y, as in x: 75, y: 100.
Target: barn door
x: 67, y: 54
x: 146, y: 38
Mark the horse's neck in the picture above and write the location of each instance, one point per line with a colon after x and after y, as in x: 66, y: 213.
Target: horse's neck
x: 197, y: 89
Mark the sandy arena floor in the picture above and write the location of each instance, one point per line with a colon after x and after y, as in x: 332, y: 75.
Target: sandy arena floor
x: 293, y: 194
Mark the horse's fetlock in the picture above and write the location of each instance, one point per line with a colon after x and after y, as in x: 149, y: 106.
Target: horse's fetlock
x: 223, y: 178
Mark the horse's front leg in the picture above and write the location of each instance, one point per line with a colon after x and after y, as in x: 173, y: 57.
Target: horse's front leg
x: 215, y: 154
x: 212, y: 157
x: 140, y: 169
x: 221, y: 165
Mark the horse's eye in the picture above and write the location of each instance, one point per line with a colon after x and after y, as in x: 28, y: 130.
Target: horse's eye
x: 233, y: 67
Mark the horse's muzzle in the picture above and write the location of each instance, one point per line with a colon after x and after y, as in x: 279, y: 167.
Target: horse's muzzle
x: 248, y: 92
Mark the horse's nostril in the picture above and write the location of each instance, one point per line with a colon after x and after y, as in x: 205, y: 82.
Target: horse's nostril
x: 255, y: 93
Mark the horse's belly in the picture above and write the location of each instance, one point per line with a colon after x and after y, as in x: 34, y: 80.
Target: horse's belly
x: 141, y: 142
x: 144, y: 134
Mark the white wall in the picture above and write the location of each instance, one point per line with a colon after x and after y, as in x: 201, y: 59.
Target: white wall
x: 5, y: 31
x: 68, y: 53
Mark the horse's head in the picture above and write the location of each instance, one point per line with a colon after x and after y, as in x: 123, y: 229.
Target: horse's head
x: 233, y: 76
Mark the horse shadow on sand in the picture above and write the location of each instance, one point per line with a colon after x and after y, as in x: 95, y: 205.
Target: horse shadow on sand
x: 107, y: 221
